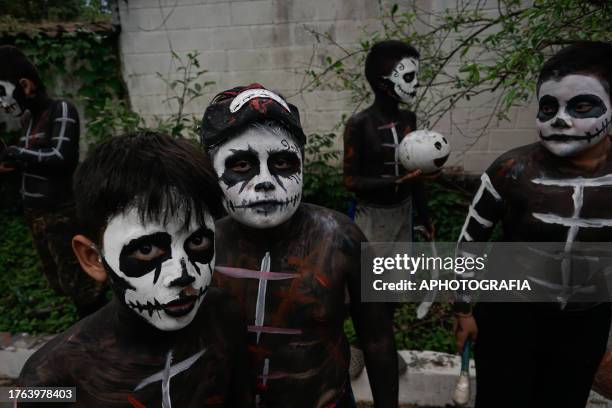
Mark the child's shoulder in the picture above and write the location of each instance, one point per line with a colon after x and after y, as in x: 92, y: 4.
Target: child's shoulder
x: 54, y: 362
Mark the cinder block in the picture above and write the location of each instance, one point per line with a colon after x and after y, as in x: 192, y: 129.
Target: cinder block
x: 249, y: 60
x: 506, y: 139
x: 228, y: 38
x: 462, y: 140
x: 146, y: 63
x: 325, y: 100
x: 475, y: 162
x: 306, y: 33
x: 348, y: 32
x: 299, y: 10
x: 510, y: 121
x: 148, y: 84
x: 291, y: 57
x: 144, y: 42
x: 213, y: 61
x: 481, y: 118
x: 200, y: 16
x: 268, y: 36
x: 140, y: 19
x: 196, y: 39
x: 339, y: 9
x: 252, y: 12
x: 526, y: 117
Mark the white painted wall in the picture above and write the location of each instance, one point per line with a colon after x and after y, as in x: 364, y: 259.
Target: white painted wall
x: 266, y: 41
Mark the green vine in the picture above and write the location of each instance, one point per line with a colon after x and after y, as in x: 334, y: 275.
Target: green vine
x: 82, y: 59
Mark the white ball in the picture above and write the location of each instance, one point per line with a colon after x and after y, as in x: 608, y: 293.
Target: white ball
x: 425, y: 150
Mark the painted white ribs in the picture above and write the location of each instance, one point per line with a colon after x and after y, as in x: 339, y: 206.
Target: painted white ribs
x: 485, y: 185
x: 394, y: 146
x: 574, y: 223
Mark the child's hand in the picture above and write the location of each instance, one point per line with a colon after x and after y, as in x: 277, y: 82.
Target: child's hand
x: 413, y: 175
x: 6, y: 168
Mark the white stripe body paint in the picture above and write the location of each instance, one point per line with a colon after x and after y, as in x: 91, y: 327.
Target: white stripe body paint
x: 395, y: 149
x: 485, y: 185
x: 174, y: 370
x: 574, y: 223
x: 55, y: 151
x: 260, y: 306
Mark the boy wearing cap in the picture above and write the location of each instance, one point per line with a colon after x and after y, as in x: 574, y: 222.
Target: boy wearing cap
x: 287, y: 262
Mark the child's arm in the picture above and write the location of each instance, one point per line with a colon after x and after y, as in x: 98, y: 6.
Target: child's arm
x: 64, y: 137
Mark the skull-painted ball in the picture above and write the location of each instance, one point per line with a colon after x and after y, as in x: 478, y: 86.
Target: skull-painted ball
x: 424, y: 149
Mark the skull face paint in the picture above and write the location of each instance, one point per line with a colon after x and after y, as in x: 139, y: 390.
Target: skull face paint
x: 7, y: 99
x: 261, y: 175
x: 574, y: 114
x: 404, y: 77
x: 163, y: 270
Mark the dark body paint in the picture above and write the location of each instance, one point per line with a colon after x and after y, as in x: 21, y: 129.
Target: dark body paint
x: 109, y: 353
x: 369, y: 156
x: 314, y: 256
x: 513, y: 174
x: 49, y: 153
x: 547, y: 353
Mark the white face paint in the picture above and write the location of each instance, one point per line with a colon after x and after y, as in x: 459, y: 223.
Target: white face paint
x: 405, y: 78
x: 260, y: 173
x: 574, y: 114
x: 166, y: 270
x: 7, y: 100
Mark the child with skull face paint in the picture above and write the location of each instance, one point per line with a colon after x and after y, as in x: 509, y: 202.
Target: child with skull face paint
x: 147, y: 204
x: 386, y: 193
x: 540, y: 354
x: 287, y: 262
x: 45, y: 159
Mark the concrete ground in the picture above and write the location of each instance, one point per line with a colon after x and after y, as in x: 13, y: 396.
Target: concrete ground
x: 428, y: 382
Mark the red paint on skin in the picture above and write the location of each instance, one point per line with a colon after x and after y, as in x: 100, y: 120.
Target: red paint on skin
x: 295, y: 297
x: 135, y: 403
x: 306, y: 267
x: 259, y: 351
x: 323, y: 280
x: 504, y: 168
x: 217, y: 399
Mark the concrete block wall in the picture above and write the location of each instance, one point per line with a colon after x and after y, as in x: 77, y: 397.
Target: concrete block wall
x: 267, y: 41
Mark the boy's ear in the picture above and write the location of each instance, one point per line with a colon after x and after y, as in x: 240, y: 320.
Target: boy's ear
x: 89, y: 257
x: 28, y: 86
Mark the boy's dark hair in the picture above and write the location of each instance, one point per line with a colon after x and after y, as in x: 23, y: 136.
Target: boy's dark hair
x: 15, y: 66
x: 154, y: 173
x: 585, y: 57
x: 383, y: 56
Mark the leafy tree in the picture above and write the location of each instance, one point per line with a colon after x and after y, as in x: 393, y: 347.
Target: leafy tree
x: 472, y: 49
x: 54, y: 10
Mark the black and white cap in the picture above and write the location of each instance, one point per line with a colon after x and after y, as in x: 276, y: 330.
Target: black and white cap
x: 238, y: 107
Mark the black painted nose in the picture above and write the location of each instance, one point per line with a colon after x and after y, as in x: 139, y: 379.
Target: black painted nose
x: 264, y: 186
x: 185, y: 279
x: 560, y: 123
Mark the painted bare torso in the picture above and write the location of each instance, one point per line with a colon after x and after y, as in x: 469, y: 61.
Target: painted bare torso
x: 116, y: 359
x: 371, y: 157
x: 290, y: 284
x: 544, y: 199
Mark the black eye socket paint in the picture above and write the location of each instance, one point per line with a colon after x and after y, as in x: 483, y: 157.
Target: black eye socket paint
x: 2, y: 91
x: 135, y: 268
x: 231, y: 177
x: 285, y: 164
x: 205, y: 255
x: 549, y: 106
x: 598, y: 108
